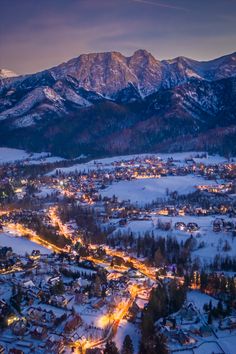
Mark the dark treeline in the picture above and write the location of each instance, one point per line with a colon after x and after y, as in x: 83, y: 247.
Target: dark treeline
x: 223, y: 263
x: 162, y: 251
x: 214, y: 284
x: 158, y: 250
x: 33, y: 170
x: 6, y: 192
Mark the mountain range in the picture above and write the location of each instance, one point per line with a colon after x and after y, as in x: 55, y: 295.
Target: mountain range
x: 105, y: 104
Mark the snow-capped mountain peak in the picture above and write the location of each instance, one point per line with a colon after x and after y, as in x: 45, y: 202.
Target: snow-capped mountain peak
x: 118, y: 104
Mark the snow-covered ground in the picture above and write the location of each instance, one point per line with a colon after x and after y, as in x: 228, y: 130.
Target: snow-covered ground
x: 129, y: 328
x: 199, y: 299
x: 143, y: 191
x: 8, y: 155
x: 228, y: 343
x: 11, y: 155
x: 213, y: 242
x: 83, y: 167
x: 220, y: 342
x: 208, y: 348
x: 42, y: 160
x: 20, y: 245
x: 178, y: 156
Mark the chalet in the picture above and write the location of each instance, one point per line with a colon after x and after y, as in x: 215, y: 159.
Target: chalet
x: 35, y: 254
x: 19, y: 327
x: 81, y: 283
x: 169, y: 323
x: 80, y: 298
x: 59, y: 301
x: 185, y: 339
x: 55, y: 344
x: 180, y: 226
x: 180, y: 336
x: 15, y: 351
x: 228, y: 225
x: 28, y: 284
x: 192, y: 226
x: 188, y: 314
x: 39, y: 332
x: 54, y: 280
x: 181, y: 212
x: 40, y: 316
x: 217, y: 225
x: 73, y: 322
x: 33, y: 293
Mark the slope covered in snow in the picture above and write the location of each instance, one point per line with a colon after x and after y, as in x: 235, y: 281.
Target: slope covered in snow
x: 9, y: 155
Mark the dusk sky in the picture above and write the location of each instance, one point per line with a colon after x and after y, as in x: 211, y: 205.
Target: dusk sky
x: 38, y: 34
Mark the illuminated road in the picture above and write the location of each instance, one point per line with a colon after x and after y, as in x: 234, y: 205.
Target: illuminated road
x: 56, y: 221
x: 149, y: 272
x: 118, y: 314
x: 63, y: 229
x: 21, y: 230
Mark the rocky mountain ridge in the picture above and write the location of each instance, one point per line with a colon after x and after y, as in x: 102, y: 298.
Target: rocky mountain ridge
x: 119, y: 104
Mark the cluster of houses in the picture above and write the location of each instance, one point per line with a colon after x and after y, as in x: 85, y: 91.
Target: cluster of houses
x: 85, y: 185
x: 44, y: 308
x: 185, y: 329
x: 220, y: 224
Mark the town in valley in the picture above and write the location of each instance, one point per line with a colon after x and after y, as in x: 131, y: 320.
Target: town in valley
x: 117, y: 255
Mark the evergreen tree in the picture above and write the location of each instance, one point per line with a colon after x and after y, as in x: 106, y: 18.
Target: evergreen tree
x: 154, y: 345
x: 209, y: 320
x: 160, y: 344
x: 111, y: 348
x: 220, y: 308
x: 210, y: 305
x: 127, y: 347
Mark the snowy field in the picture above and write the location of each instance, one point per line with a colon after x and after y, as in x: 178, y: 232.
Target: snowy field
x: 8, y: 155
x: 228, y: 343
x: 20, y: 245
x: 208, y: 348
x: 11, y: 155
x: 199, y: 299
x: 143, y: 191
